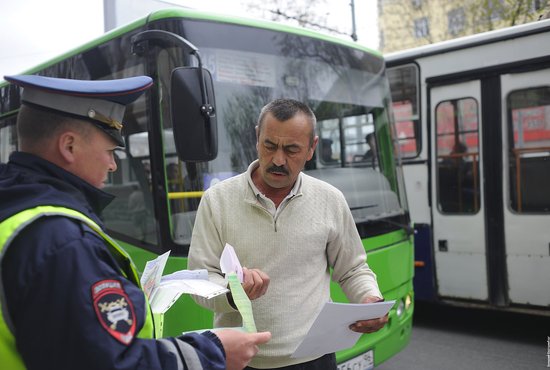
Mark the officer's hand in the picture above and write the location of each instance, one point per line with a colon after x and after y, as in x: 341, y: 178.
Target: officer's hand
x: 255, y: 283
x: 369, y: 326
x: 240, y: 347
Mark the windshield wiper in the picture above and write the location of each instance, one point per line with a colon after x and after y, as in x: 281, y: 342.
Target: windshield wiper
x: 408, y: 229
x: 363, y: 207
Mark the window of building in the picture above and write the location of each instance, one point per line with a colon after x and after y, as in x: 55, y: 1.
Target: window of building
x: 456, y: 19
x: 457, y: 147
x: 404, y: 93
x: 529, y: 153
x: 421, y: 28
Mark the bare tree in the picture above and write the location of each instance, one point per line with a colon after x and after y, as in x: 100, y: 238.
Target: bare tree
x: 311, y: 14
x: 409, y: 23
x: 488, y: 15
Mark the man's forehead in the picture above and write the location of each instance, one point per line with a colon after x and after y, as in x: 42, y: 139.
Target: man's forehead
x: 285, y: 137
x: 299, y: 123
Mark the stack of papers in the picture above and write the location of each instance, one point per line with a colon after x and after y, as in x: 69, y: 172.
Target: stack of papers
x: 164, y: 291
x: 330, y: 331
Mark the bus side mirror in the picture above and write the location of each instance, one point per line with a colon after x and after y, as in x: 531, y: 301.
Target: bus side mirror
x: 193, y: 114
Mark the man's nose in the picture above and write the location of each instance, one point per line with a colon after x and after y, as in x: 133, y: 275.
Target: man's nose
x: 279, y: 158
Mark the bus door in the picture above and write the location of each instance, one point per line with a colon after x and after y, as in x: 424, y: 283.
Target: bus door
x: 526, y: 162
x: 458, y: 214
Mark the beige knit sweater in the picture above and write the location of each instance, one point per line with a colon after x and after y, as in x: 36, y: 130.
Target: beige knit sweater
x: 313, y: 232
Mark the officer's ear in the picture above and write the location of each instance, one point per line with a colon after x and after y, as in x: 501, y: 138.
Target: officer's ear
x: 66, y: 146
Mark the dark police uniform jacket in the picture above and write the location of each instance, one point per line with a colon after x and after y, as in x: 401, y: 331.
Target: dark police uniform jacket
x: 48, y: 274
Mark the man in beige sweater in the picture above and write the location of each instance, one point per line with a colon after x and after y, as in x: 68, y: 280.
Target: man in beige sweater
x: 289, y: 229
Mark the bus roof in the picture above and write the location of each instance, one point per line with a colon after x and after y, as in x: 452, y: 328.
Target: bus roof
x: 171, y: 13
x: 468, y: 41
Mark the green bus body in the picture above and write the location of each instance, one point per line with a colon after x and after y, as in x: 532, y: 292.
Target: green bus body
x: 251, y: 62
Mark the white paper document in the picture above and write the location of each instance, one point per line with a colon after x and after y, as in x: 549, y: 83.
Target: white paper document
x: 150, y: 279
x: 330, y: 331
x: 168, y: 292
x: 229, y: 262
x: 164, y: 291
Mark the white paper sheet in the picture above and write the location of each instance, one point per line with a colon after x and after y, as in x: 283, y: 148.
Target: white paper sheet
x: 186, y: 275
x: 229, y: 262
x: 330, y: 331
x: 168, y: 292
x: 150, y: 279
x: 164, y: 291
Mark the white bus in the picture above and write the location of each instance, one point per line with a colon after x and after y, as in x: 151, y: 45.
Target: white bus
x: 473, y: 121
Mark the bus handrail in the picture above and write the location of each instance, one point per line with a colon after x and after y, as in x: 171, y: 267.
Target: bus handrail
x: 185, y: 194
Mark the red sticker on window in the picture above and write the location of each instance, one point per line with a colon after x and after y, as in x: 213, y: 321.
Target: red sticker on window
x: 114, y: 310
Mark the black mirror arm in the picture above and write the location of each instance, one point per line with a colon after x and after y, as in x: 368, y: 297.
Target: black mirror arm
x: 165, y: 38
x: 206, y: 108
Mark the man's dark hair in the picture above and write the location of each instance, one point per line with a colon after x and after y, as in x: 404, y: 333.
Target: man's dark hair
x: 285, y: 109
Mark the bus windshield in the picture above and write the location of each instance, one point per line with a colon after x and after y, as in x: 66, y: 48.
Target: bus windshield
x: 345, y: 88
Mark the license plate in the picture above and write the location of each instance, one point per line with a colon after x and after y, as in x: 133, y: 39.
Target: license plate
x: 361, y: 362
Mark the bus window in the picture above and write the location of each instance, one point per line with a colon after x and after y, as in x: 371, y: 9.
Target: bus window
x: 329, y: 149
x: 356, y: 131
x: 8, y: 137
x: 529, y: 155
x: 457, y: 147
x: 404, y: 93
x: 354, y: 147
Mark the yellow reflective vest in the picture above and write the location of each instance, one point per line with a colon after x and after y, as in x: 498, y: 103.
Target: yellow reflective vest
x: 10, y: 228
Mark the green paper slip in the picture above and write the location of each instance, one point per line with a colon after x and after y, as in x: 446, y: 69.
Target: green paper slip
x: 242, y: 302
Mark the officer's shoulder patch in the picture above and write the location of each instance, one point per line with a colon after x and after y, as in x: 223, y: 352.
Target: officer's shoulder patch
x: 114, y: 310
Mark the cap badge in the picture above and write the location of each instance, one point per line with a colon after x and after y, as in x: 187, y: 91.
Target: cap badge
x: 107, y: 120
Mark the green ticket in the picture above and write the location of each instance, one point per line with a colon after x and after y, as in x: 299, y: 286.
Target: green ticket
x: 242, y: 302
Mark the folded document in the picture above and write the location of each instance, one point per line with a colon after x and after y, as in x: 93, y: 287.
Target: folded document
x: 164, y: 291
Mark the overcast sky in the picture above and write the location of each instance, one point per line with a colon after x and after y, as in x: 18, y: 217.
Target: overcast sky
x: 33, y: 31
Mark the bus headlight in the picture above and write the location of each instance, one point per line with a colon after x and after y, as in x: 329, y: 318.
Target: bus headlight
x: 400, y: 308
x: 408, y: 302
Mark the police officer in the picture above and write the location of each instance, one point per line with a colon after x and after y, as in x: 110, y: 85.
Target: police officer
x: 69, y: 296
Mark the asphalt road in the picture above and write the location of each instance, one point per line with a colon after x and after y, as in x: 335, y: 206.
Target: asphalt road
x: 449, y: 338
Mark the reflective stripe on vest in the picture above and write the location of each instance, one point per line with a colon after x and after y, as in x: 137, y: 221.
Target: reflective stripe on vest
x: 10, y: 228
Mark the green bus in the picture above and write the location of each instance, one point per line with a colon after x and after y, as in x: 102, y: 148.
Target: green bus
x: 169, y: 162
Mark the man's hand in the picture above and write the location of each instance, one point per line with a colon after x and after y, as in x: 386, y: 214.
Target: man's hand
x: 240, y: 347
x: 369, y: 326
x: 255, y: 283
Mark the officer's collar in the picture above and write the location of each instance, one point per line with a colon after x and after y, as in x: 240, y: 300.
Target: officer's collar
x: 86, y: 194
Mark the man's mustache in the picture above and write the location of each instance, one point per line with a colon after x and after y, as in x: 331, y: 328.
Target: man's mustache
x: 278, y: 169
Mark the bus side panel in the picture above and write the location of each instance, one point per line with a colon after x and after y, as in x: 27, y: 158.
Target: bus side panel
x: 424, y: 285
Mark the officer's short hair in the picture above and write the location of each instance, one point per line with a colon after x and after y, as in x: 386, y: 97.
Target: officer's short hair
x: 36, y: 126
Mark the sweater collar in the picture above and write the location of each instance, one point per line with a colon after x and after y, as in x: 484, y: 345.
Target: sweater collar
x: 296, y: 189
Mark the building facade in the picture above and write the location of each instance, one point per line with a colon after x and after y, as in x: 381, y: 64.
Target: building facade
x: 405, y: 24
